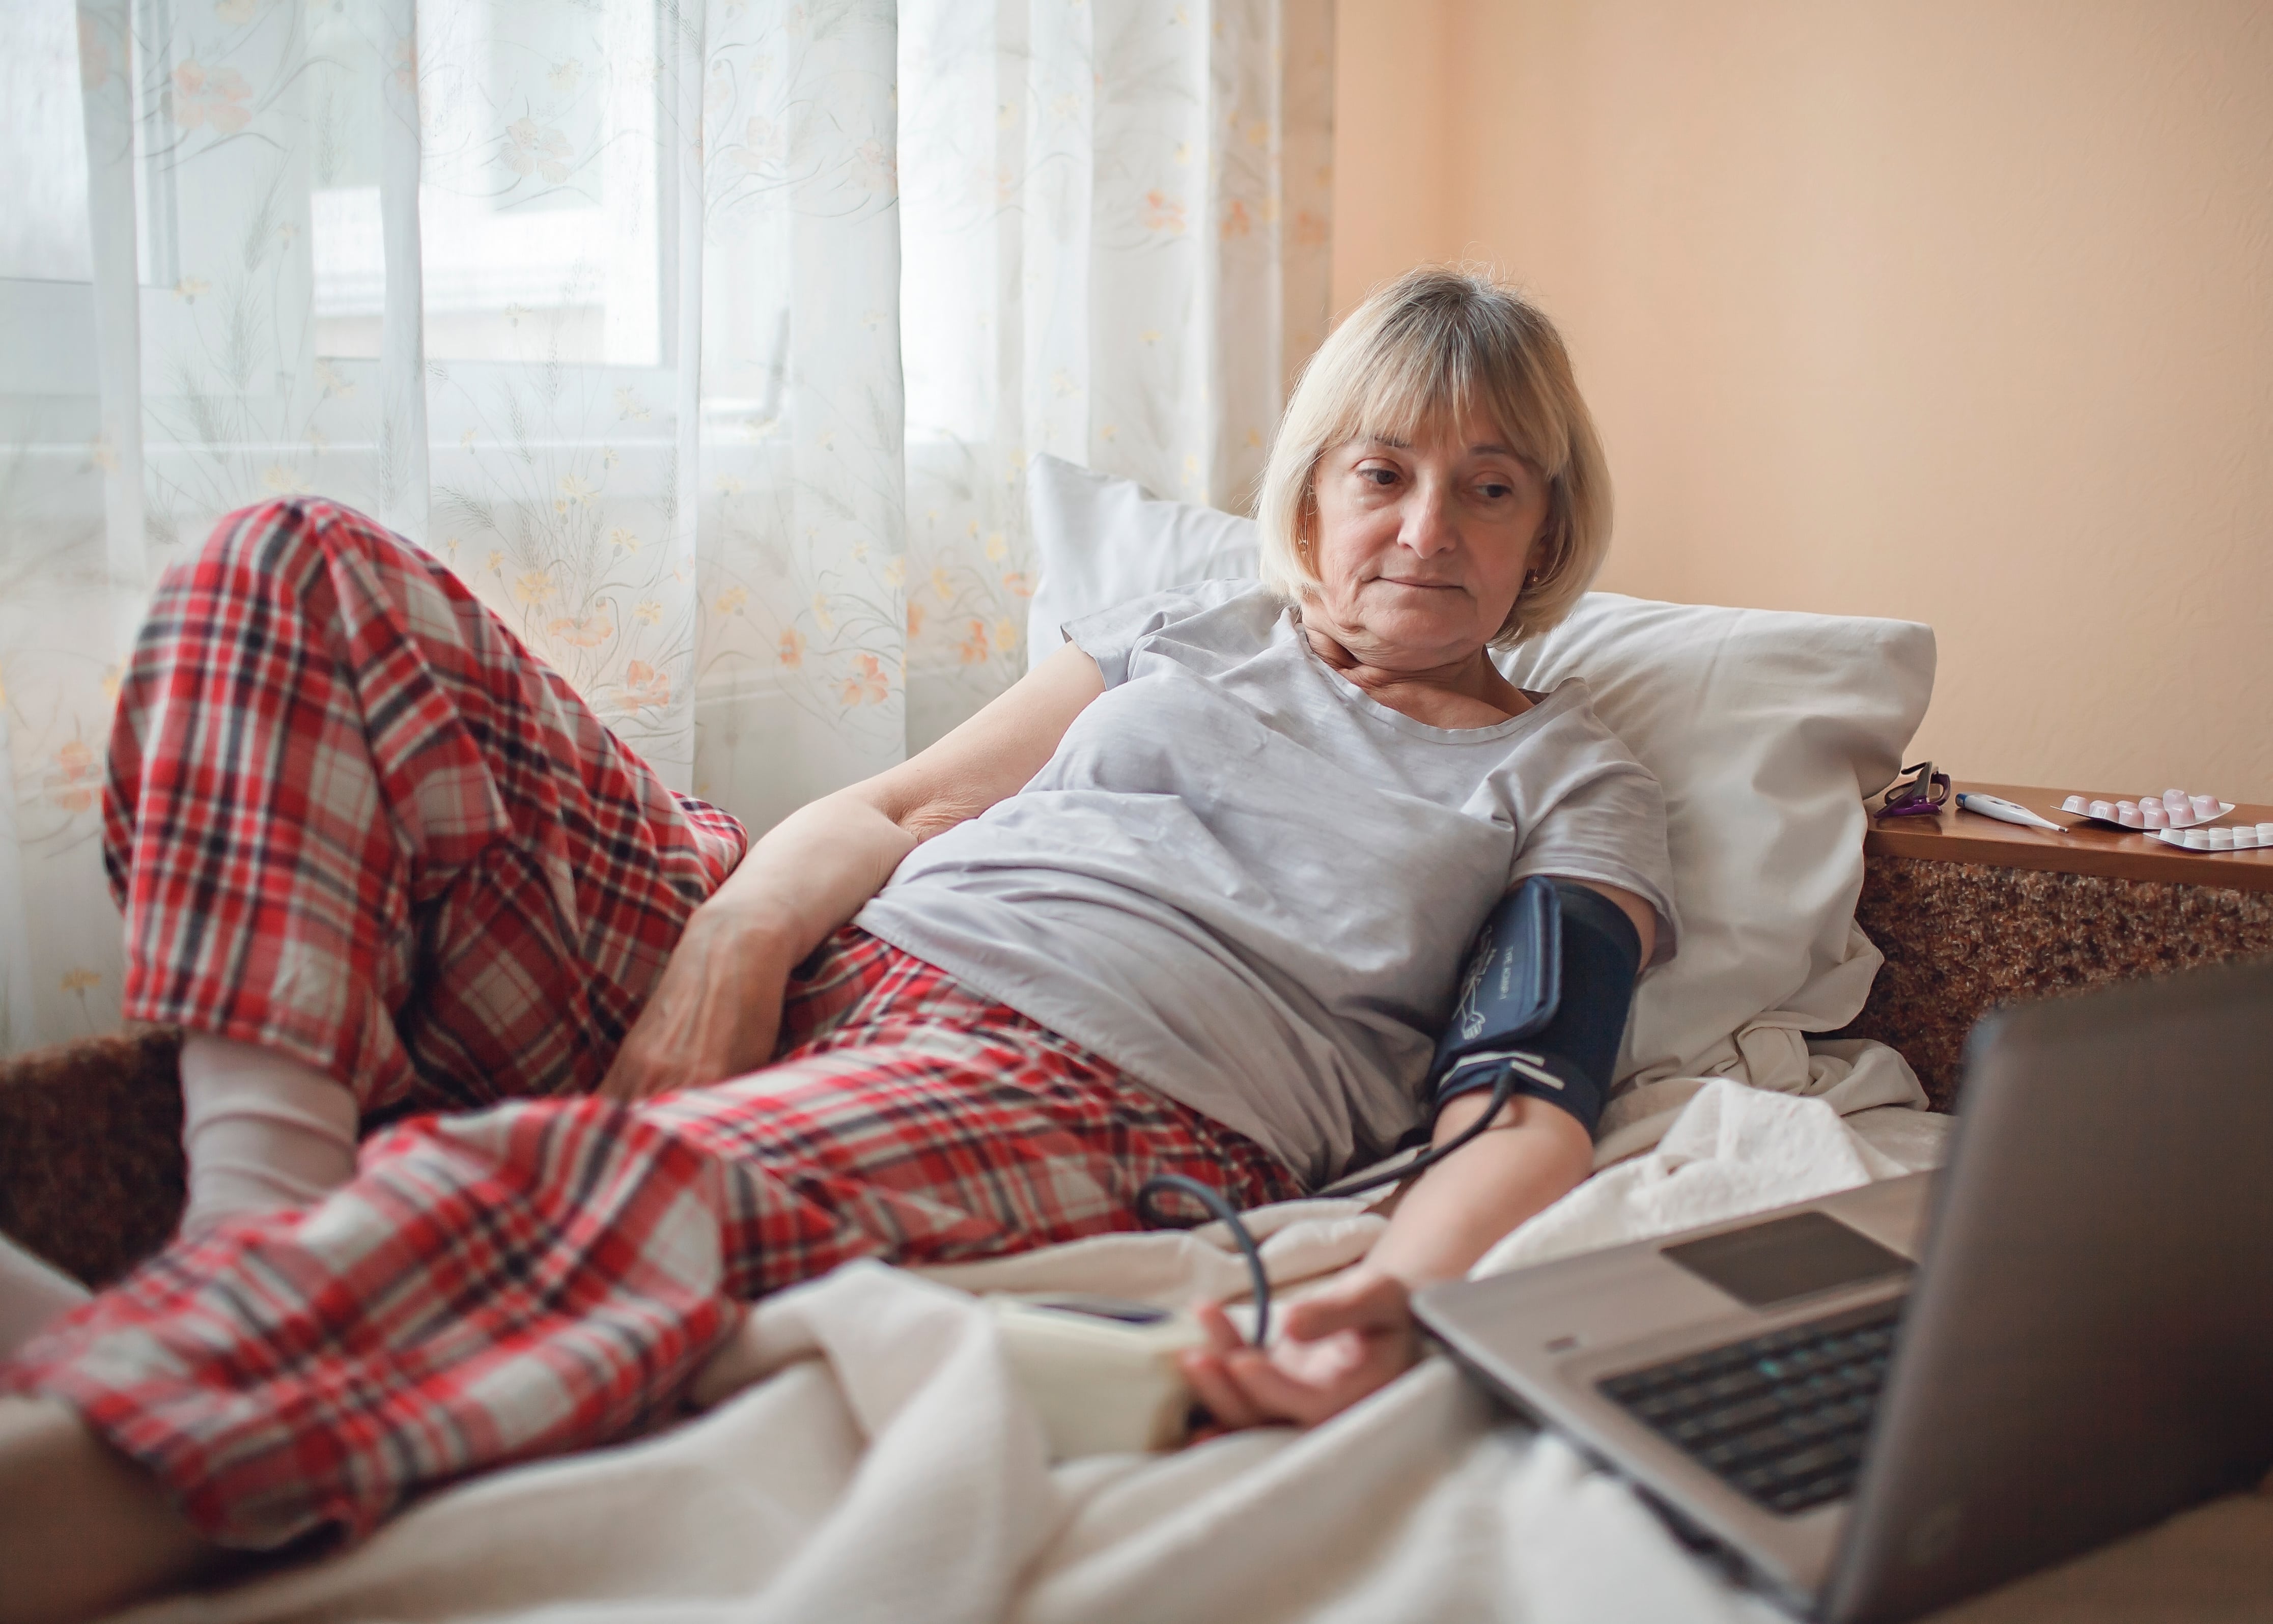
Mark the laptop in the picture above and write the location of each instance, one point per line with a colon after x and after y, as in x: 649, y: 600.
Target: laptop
x: 1890, y: 1398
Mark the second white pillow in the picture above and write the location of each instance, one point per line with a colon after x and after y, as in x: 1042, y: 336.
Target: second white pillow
x: 1101, y: 541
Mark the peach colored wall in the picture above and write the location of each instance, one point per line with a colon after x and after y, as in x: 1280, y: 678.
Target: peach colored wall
x: 1394, y: 164
x: 1960, y: 311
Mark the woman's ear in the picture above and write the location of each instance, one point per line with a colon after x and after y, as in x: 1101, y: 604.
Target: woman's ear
x: 1540, y: 562
x: 1546, y: 552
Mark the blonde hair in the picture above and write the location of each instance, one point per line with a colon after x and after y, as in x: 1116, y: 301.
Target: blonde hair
x: 1439, y: 341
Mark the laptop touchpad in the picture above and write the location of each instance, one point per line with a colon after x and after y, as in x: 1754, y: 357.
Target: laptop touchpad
x: 1774, y: 1262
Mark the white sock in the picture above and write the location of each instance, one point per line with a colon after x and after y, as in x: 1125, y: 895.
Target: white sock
x: 261, y: 1130
x: 31, y: 1294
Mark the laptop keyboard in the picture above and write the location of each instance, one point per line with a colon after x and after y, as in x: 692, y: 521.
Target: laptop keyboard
x: 1780, y: 1418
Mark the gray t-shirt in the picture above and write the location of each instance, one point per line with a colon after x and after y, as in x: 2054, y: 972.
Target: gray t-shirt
x: 1251, y: 886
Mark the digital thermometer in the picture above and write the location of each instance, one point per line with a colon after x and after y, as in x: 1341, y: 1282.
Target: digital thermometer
x: 2005, y: 811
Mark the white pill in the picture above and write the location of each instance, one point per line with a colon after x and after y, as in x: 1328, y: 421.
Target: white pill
x: 2127, y: 814
x: 2265, y: 834
x: 2101, y: 808
x: 2151, y: 814
x: 2075, y: 803
x: 2197, y: 841
x: 2245, y: 836
x: 2174, y: 798
x: 2206, y: 806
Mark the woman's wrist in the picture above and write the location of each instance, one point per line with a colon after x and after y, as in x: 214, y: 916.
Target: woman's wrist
x: 1409, y: 1273
x: 760, y: 940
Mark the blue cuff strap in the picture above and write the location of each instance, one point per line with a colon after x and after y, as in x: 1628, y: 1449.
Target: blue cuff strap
x: 1556, y: 1027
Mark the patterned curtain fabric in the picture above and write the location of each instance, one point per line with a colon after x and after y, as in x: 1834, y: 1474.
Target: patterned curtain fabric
x: 707, y: 341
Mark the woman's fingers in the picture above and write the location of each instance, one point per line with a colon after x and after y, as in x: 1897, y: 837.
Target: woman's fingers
x: 1210, y: 1373
x: 622, y: 1081
x: 710, y: 1016
x: 1226, y: 1400
x: 651, y: 1064
x: 644, y: 1065
x: 1268, y: 1388
x: 1224, y: 1375
x: 628, y: 1070
x: 631, y: 1078
x: 1223, y: 1336
x: 1338, y: 1346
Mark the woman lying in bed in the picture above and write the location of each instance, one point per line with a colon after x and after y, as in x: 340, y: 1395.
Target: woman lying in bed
x: 1191, y: 897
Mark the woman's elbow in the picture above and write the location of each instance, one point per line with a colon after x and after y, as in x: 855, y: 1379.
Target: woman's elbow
x: 917, y: 812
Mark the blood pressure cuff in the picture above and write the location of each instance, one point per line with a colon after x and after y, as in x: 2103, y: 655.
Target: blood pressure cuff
x: 1543, y: 997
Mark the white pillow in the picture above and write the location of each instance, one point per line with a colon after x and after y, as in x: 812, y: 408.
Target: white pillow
x: 1101, y: 541
x: 1768, y: 729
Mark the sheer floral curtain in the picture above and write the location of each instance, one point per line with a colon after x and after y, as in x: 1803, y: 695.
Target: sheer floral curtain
x: 707, y: 341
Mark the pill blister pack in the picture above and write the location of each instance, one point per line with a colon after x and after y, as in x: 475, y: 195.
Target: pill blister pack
x: 2239, y: 837
x: 2172, y: 809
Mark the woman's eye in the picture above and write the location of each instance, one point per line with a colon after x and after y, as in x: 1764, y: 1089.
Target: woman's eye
x: 1379, y: 476
x: 1495, y: 491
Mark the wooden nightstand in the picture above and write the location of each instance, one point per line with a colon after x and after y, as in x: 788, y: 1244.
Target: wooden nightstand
x: 1972, y: 912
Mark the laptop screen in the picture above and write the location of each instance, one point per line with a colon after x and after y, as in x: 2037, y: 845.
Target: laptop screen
x: 1769, y: 1263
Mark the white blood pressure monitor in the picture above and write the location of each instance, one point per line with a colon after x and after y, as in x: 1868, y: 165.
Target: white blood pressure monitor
x: 1100, y: 1371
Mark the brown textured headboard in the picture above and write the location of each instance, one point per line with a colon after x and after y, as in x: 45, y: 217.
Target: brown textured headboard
x: 1972, y: 913
x: 91, y: 1151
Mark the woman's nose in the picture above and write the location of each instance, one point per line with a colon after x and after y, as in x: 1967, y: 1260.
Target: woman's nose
x: 1428, y: 528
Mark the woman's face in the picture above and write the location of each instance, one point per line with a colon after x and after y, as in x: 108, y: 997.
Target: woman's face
x: 1420, y: 549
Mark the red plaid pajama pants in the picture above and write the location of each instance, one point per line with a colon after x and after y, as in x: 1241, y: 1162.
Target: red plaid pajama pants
x: 351, y: 818
x: 548, y: 1272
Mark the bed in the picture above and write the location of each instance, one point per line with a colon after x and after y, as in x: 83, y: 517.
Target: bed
x: 861, y: 1450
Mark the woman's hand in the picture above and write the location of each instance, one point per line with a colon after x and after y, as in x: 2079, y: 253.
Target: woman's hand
x: 1336, y: 1348
x: 717, y: 1010
x: 715, y: 1014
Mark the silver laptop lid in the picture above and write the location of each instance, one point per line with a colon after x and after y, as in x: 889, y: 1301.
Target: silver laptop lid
x: 2087, y: 1347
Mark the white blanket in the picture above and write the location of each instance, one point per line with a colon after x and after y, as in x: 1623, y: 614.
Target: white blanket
x: 866, y: 1456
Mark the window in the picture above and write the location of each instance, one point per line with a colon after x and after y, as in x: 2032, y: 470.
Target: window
x: 540, y: 221
x: 43, y: 233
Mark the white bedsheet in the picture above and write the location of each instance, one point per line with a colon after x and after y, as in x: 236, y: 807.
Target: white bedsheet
x: 867, y: 1457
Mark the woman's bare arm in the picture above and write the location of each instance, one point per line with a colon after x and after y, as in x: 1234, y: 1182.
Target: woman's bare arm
x: 1343, y: 1344
x: 718, y: 1008
x: 1535, y: 1154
